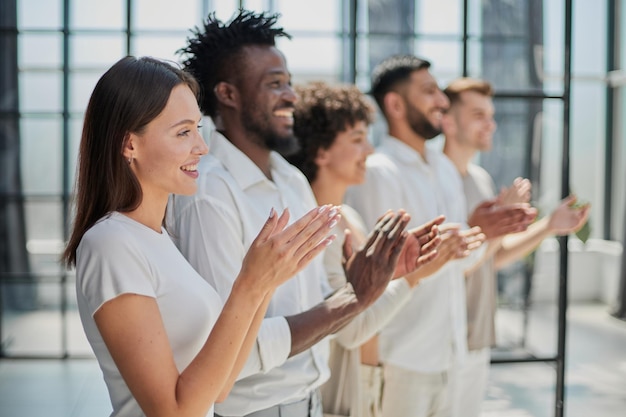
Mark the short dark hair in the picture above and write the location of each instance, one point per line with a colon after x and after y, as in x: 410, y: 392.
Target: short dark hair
x: 213, y: 53
x: 461, y: 85
x: 392, y: 71
x: 131, y: 94
x: 322, y: 112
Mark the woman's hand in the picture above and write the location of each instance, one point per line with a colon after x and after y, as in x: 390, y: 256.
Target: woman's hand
x: 280, y: 252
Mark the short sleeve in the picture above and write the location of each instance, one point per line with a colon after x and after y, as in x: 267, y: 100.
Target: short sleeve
x: 108, y: 264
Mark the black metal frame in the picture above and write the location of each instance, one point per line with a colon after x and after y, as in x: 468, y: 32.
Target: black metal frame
x: 352, y: 5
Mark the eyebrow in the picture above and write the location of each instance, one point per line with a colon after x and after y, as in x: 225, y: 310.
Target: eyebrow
x: 184, y: 122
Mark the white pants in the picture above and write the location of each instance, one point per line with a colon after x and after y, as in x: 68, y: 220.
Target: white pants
x: 469, y: 383
x: 413, y: 394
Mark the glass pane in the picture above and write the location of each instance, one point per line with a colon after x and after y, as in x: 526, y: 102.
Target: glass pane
x: 589, y: 53
x: 511, y: 65
x: 304, y: 65
x: 502, y: 18
x: 159, y: 47
x: 96, y: 50
x: 76, y: 129
x: 40, y: 50
x: 81, y: 87
x: 224, y: 9
x: 445, y: 57
x: 439, y: 17
x: 41, y: 153
x: 97, y: 14
x: 553, y: 41
x: 40, y: 14
x: 619, y: 171
x: 31, y: 321
x: 44, y: 231
x: 40, y: 91
x: 165, y: 15
x: 588, y: 147
x: 551, y: 156
x: 318, y: 16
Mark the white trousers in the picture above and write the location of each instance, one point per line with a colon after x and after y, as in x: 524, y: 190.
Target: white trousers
x: 371, y: 390
x: 469, y: 383
x: 413, y: 394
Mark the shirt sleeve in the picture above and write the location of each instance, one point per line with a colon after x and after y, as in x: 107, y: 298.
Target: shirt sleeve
x: 209, y: 234
x: 109, y: 264
x: 375, y: 317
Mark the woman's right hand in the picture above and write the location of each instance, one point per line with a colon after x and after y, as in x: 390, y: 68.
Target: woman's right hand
x: 280, y: 252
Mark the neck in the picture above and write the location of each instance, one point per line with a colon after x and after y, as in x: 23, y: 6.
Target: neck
x: 327, y: 191
x: 150, y: 212
x: 408, y: 136
x: 460, y: 156
x: 258, y: 154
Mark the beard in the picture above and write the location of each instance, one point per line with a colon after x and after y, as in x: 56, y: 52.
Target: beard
x: 260, y: 126
x: 420, y: 124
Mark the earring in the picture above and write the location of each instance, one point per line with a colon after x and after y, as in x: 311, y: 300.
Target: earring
x: 130, y: 159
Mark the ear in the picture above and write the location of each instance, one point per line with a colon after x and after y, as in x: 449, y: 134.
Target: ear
x: 128, y: 148
x: 394, y: 105
x: 322, y: 158
x: 227, y: 94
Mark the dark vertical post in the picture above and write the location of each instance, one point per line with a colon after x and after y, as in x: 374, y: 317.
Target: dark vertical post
x: 609, y: 121
x: 465, y: 36
x: 66, y: 163
x: 352, y: 44
x: 129, y: 22
x: 562, y: 320
x: 13, y: 255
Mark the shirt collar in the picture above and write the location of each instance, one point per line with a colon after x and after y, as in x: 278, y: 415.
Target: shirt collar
x: 403, y: 152
x: 243, y: 170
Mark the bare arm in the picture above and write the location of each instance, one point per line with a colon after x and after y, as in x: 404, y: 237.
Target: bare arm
x: 564, y: 219
x: 368, y: 272
x: 133, y: 331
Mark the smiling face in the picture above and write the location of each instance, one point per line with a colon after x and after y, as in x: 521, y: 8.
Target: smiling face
x: 472, y: 119
x: 344, y: 160
x: 268, y: 99
x: 425, y: 104
x: 166, y: 153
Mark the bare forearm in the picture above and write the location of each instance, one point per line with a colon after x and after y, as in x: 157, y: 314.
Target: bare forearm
x: 326, y: 318
x: 493, y: 247
x: 247, y: 346
x: 514, y: 247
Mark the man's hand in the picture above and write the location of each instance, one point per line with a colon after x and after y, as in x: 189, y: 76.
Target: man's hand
x: 496, y: 221
x: 370, y: 269
x: 568, y: 217
x: 420, y: 247
x: 518, y: 192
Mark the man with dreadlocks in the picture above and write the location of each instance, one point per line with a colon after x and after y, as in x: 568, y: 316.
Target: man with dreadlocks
x: 246, y: 90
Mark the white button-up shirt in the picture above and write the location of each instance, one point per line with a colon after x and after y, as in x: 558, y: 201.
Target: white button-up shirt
x: 430, y: 329
x: 214, y: 229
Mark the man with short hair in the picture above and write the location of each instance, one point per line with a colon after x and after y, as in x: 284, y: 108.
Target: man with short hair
x: 246, y: 90
x: 468, y: 126
x: 420, y: 347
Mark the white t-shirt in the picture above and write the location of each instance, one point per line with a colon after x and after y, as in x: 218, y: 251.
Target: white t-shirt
x: 120, y: 256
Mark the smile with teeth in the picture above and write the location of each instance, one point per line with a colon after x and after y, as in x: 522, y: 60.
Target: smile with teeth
x: 189, y: 167
x: 284, y: 113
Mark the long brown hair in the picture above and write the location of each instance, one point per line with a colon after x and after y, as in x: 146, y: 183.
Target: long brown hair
x: 127, y: 97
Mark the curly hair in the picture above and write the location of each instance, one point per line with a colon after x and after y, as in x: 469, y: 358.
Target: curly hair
x: 322, y: 112
x: 214, y: 52
x: 392, y: 71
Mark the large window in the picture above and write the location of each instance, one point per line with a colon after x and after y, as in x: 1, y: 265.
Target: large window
x: 63, y: 46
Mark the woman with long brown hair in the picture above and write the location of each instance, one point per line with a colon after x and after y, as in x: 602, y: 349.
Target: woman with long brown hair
x: 165, y: 342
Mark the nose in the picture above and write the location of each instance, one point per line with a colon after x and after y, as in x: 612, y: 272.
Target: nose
x: 442, y: 100
x: 201, y: 148
x: 289, y: 94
